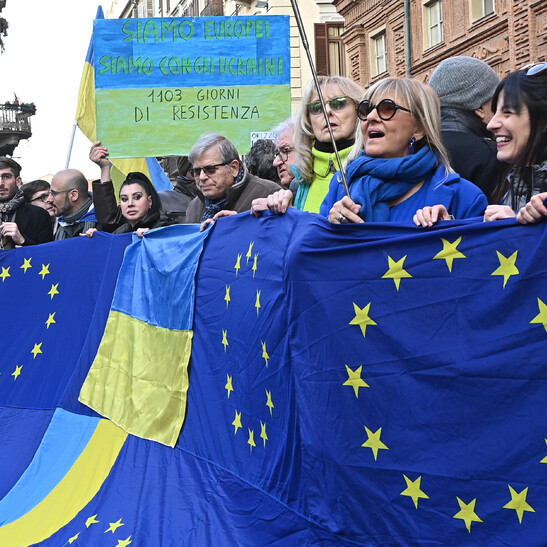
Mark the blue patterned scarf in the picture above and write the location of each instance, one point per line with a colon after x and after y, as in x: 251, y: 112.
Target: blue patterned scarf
x: 374, y: 182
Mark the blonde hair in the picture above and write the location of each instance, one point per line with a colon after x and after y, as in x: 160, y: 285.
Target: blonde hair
x: 303, y: 134
x: 424, y: 107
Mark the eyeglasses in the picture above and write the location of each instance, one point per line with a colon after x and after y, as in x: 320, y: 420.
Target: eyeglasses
x: 6, y: 177
x: 283, y: 153
x: 41, y: 198
x: 535, y: 68
x: 386, y: 109
x: 57, y: 192
x: 338, y: 103
x: 209, y: 170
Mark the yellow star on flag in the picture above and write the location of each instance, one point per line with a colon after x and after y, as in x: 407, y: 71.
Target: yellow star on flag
x: 238, y: 264
x: 91, y: 520
x: 225, y: 339
x: 36, y: 349
x: 449, y: 252
x: 26, y: 264
x: 53, y: 291
x: 237, y: 422
x: 467, y: 513
x: 73, y: 538
x: 269, y: 402
x: 541, y: 317
x: 373, y: 442
x: 396, y: 271
x: 228, y: 387
x: 227, y: 296
x: 5, y: 273
x: 354, y: 380
x: 51, y: 319
x: 124, y: 542
x: 255, y: 265
x: 251, y: 441
x: 263, y: 434
x: 265, y: 355
x: 507, y: 266
x: 257, y: 302
x: 413, y: 490
x: 518, y: 502
x: 250, y: 251
x: 114, y: 526
x: 17, y: 372
x: 361, y: 318
x: 44, y: 271
x: 544, y: 460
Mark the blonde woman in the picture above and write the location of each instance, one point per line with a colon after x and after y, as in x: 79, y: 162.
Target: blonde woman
x: 399, y: 169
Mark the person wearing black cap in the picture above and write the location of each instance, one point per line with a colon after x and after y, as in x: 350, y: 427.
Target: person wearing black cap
x: 465, y: 86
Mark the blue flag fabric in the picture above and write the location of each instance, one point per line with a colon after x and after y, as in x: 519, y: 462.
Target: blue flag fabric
x: 371, y: 384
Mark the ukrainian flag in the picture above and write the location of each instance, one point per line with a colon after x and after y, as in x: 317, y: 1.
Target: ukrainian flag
x: 139, y: 378
x: 87, y: 122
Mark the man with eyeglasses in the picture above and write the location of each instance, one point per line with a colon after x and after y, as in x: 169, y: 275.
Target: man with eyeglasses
x: 21, y: 224
x: 70, y: 198
x: 223, y: 182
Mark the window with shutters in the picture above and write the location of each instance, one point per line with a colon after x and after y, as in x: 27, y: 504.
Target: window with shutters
x: 433, y: 23
x: 330, y: 52
x: 378, y: 48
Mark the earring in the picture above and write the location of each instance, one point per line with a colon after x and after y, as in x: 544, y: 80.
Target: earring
x: 411, y: 143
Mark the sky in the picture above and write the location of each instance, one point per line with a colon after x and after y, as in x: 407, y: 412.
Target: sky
x: 42, y: 63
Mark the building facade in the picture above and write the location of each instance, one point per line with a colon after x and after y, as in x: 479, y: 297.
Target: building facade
x: 411, y: 37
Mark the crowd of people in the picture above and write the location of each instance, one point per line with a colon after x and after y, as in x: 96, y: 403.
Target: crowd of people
x: 464, y: 145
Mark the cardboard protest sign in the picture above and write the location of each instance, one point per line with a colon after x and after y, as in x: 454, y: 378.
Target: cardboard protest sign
x: 162, y: 82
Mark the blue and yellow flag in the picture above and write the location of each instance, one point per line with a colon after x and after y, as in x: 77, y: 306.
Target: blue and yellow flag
x: 139, y: 378
x: 86, y: 117
x: 349, y: 385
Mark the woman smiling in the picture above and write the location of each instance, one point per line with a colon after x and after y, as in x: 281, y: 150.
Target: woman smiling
x: 399, y: 169
x: 520, y: 127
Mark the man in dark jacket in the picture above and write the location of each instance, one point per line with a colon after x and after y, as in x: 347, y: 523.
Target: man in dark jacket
x: 175, y: 202
x: 222, y: 181
x: 465, y: 86
x: 21, y: 223
x: 73, y: 204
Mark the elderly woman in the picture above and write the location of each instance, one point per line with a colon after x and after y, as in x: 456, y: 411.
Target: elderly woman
x: 520, y: 127
x: 312, y: 147
x: 399, y: 170
x: 316, y: 159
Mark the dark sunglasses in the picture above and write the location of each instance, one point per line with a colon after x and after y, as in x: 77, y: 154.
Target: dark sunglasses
x: 209, y: 170
x: 535, y: 68
x: 336, y: 104
x: 386, y: 109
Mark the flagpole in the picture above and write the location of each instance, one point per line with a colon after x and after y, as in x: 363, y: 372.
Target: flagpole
x: 71, y: 144
x: 318, y: 88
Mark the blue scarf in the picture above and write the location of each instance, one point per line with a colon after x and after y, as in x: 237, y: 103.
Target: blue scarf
x: 374, y: 182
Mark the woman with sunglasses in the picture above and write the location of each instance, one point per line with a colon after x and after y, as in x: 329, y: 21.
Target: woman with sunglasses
x: 399, y: 169
x: 139, y: 208
x: 316, y: 159
x: 520, y: 127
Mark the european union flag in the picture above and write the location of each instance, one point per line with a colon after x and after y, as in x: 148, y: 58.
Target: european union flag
x: 369, y: 384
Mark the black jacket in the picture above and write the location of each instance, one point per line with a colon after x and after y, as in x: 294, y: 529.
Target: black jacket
x: 34, y: 223
x: 471, y: 150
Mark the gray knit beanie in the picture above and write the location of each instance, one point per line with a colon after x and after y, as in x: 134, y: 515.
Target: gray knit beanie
x: 464, y: 82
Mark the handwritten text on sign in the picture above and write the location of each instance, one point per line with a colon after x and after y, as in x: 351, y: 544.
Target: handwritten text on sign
x: 161, y: 83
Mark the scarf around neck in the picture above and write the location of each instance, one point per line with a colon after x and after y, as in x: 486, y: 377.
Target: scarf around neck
x: 12, y: 205
x: 375, y: 182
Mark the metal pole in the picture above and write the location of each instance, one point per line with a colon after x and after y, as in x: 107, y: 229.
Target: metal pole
x: 318, y: 88
x: 71, y: 144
